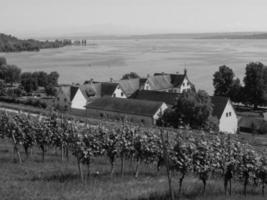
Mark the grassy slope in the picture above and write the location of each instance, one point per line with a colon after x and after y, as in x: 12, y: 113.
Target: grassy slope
x: 56, y: 180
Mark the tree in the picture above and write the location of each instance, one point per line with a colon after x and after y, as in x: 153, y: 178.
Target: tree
x: 2, y: 88
x: 236, y: 91
x: 193, y: 109
x: 42, y: 78
x: 50, y: 90
x: 256, y: 84
x: 130, y: 75
x: 29, y: 82
x: 223, y: 81
x: 12, y: 74
x: 3, y: 61
x: 53, y: 78
x: 52, y: 82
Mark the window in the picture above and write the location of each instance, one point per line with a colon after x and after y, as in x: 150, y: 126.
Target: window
x: 142, y: 121
x: 230, y: 114
x: 65, y: 100
x: 226, y: 114
x: 122, y: 94
x: 101, y: 115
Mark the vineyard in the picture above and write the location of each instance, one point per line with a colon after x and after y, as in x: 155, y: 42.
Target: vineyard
x: 187, y: 153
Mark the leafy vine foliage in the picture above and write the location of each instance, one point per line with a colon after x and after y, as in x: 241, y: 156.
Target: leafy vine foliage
x: 189, y: 152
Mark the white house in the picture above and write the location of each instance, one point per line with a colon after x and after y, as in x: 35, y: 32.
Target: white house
x: 176, y: 83
x: 125, y: 88
x: 225, y: 112
x: 222, y: 107
x: 88, y: 92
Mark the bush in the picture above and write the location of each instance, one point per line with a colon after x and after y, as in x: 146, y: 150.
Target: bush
x: 31, y: 102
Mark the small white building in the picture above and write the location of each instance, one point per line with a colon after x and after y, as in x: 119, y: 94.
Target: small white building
x: 225, y: 112
x: 89, y: 92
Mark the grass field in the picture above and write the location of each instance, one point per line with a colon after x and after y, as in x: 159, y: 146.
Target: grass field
x: 57, y: 180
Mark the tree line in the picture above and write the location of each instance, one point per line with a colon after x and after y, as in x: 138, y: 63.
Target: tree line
x: 28, y: 81
x: 10, y: 43
x: 253, y: 91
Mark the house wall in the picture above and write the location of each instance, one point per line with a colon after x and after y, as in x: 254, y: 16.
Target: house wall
x: 101, y: 114
x: 228, y: 122
x: 185, y: 86
x: 118, y: 93
x: 160, y: 112
x: 147, y: 86
x: 79, y: 101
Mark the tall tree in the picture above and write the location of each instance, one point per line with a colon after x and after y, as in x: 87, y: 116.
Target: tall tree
x: 256, y: 84
x: 53, y: 78
x: 192, y: 108
x: 223, y: 81
x: 12, y: 74
x: 236, y: 93
x: 2, y: 88
x: 29, y: 82
x: 3, y: 61
x: 42, y: 78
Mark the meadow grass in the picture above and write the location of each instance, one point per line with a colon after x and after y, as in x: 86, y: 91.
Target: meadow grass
x: 59, y: 180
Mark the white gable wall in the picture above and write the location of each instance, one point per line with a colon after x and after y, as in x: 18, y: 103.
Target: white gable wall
x: 118, y: 93
x: 228, y: 122
x: 160, y: 112
x: 185, y: 85
x: 147, y: 86
x: 79, y: 101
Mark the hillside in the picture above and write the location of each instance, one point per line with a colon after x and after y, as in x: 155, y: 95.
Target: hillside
x: 248, y: 36
x: 9, y: 43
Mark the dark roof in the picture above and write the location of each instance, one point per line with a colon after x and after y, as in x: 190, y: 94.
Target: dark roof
x: 177, y: 79
x: 219, y: 104
x: 73, y: 90
x: 107, y: 88
x: 168, y: 98
x: 128, y: 106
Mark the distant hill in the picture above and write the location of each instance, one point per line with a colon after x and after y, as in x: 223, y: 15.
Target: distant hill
x: 9, y: 43
x: 248, y: 36
x: 230, y: 35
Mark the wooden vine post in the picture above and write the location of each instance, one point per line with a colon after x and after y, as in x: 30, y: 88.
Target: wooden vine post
x: 166, y: 161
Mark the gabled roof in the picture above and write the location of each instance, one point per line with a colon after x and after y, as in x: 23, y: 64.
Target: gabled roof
x: 151, y: 95
x: 177, y: 79
x: 219, y: 104
x: 73, y: 90
x: 127, y: 106
x: 129, y: 86
x: 107, y: 88
x: 160, y: 82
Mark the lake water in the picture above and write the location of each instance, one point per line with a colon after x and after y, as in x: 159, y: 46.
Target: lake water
x: 103, y: 59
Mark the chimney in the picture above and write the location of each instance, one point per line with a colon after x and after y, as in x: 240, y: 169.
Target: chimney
x: 111, y: 80
x: 185, y: 71
x: 148, y: 75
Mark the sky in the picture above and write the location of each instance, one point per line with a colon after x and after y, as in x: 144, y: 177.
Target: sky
x: 119, y: 17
